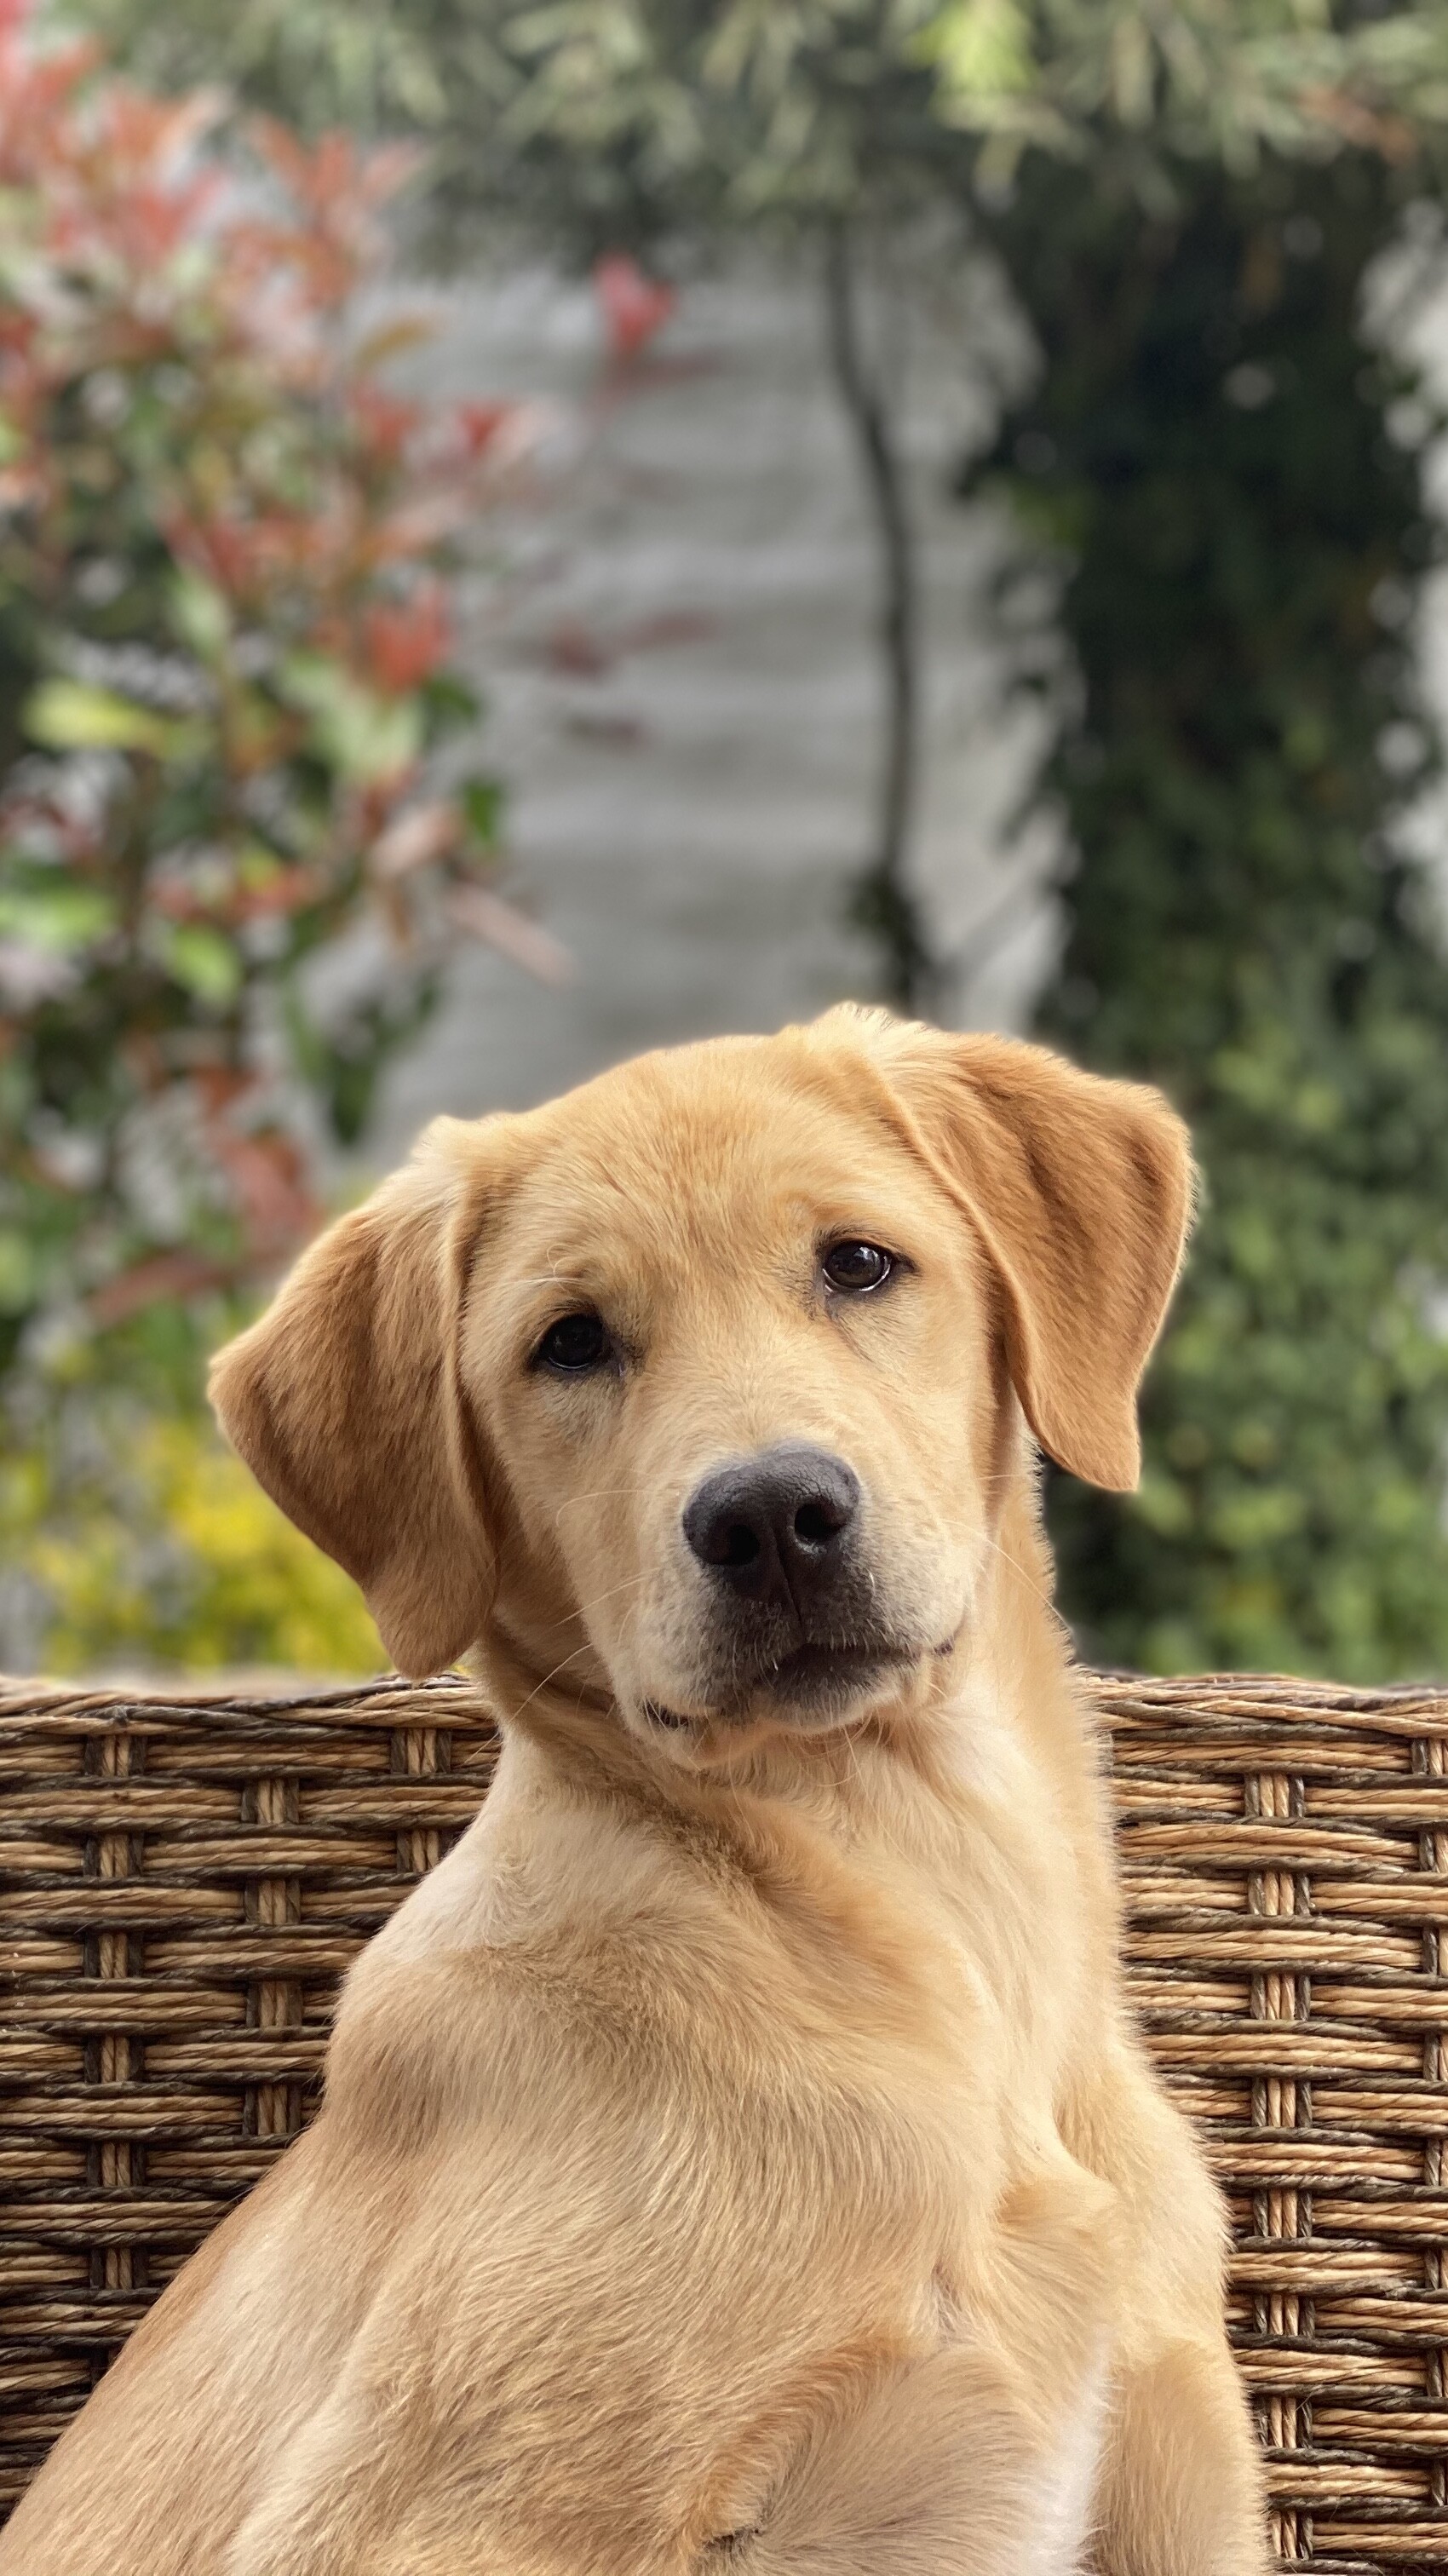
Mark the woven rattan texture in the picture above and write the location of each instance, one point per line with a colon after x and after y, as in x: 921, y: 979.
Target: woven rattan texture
x: 182, y: 1882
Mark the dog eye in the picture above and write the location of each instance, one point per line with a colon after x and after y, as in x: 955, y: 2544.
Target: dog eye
x: 573, y: 1344
x: 855, y: 1268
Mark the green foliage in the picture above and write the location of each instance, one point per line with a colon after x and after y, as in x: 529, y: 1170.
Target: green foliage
x: 615, y: 120
x: 1234, y: 480
x: 222, y: 629
x: 605, y: 121
x: 225, y: 559
x: 1134, y: 89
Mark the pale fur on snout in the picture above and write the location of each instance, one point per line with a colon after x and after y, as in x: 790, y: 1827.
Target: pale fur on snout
x: 736, y: 2157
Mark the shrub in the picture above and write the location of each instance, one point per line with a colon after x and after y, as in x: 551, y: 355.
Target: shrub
x: 1232, y: 475
x: 225, y: 572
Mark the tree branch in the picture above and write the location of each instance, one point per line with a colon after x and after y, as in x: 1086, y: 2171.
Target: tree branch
x: 884, y: 904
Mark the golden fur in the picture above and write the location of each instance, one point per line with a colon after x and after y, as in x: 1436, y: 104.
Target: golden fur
x: 736, y: 2156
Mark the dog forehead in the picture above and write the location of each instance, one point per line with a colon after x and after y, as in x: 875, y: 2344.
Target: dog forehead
x: 729, y: 1138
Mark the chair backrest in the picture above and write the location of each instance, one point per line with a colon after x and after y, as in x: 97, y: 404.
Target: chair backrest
x: 184, y: 1878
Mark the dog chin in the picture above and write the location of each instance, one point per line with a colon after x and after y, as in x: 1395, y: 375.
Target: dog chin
x: 813, y: 1691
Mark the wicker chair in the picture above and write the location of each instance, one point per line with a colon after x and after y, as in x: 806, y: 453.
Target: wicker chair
x: 186, y: 1878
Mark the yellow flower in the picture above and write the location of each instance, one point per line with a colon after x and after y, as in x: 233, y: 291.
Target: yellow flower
x: 185, y: 1562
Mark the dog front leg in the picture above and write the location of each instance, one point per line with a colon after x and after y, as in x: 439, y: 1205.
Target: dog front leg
x: 1181, y: 2482
x: 936, y: 2471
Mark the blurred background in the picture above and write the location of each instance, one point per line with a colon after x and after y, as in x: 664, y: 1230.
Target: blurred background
x: 528, y: 533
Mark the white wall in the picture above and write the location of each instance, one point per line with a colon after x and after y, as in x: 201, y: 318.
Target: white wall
x: 689, y: 815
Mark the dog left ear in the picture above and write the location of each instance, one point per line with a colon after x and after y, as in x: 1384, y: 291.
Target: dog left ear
x: 345, y: 1402
x: 1080, y: 1191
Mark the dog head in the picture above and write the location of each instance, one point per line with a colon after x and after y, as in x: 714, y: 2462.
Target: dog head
x: 698, y: 1390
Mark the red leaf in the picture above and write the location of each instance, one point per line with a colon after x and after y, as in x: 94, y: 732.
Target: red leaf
x: 163, y: 1274
x: 266, y: 1174
x: 480, y: 423
x: 635, y: 307
x: 404, y: 643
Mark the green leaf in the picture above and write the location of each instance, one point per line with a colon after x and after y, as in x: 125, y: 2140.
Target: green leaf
x: 204, y: 960
x: 356, y: 730
x: 200, y: 614
x: 981, y: 48
x: 70, y: 715
x: 450, y: 703
x: 17, y: 1272
x: 482, y: 801
x: 55, y: 911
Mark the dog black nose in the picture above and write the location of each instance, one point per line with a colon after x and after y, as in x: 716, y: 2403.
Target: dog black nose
x: 776, y: 1523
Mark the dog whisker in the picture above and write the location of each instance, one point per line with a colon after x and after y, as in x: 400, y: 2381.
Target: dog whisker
x: 627, y: 1583
x: 549, y: 1677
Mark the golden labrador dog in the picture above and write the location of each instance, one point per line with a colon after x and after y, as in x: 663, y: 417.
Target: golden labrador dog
x: 737, y: 2158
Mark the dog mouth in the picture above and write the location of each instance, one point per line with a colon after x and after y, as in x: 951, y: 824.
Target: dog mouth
x: 811, y: 1672
x: 812, y: 1681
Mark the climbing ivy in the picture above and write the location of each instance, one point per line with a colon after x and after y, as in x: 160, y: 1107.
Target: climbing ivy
x: 1228, y: 471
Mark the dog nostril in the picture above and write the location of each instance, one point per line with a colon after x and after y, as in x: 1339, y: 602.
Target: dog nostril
x: 741, y: 1545
x: 815, y: 1523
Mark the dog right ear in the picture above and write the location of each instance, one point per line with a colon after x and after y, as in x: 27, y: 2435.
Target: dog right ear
x: 345, y: 1401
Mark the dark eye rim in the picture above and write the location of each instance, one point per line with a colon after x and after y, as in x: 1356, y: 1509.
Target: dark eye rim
x: 553, y: 1365
x: 895, y: 1265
